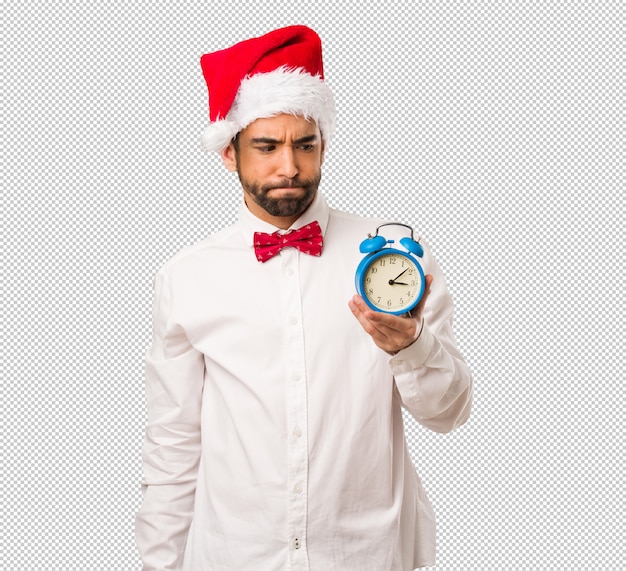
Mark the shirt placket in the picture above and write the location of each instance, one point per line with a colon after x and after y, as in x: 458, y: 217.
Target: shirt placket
x: 297, y: 479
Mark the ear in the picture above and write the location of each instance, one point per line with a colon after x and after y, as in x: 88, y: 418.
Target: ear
x: 229, y: 158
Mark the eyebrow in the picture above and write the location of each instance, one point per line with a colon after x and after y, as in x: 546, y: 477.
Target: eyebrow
x: 270, y: 141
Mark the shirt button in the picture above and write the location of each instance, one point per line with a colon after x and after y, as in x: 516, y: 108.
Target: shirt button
x: 293, y: 321
x: 298, y: 432
x: 297, y: 489
x: 296, y: 543
x: 289, y: 272
x: 297, y: 376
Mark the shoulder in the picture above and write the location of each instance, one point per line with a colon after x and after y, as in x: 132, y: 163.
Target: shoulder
x: 205, y: 249
x: 345, y: 225
x: 340, y: 220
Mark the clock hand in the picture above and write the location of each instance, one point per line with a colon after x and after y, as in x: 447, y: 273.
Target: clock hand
x: 394, y: 282
x: 394, y: 279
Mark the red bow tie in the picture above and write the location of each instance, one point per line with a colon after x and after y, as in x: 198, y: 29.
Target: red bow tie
x: 307, y: 239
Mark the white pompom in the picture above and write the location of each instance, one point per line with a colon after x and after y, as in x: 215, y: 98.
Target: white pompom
x: 218, y: 135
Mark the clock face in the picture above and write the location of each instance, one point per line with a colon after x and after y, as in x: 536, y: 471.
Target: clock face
x: 392, y: 282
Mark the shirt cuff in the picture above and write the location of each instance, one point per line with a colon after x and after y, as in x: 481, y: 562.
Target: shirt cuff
x: 415, y: 355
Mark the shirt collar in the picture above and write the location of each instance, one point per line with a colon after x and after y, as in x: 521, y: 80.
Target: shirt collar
x: 250, y: 224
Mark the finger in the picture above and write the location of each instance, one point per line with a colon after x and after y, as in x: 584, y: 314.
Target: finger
x: 363, y: 315
x: 386, y: 323
x: 376, y: 318
x: 389, y: 332
x: 392, y: 340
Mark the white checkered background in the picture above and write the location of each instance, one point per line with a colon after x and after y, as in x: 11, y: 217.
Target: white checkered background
x: 495, y: 128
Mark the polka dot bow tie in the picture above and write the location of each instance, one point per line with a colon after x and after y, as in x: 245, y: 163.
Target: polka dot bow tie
x: 307, y: 239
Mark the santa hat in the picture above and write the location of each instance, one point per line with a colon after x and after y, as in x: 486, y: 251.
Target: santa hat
x: 280, y: 72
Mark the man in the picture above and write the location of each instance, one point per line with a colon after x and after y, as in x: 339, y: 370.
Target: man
x: 275, y: 436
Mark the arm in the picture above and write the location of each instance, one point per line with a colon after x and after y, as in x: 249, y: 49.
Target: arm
x: 431, y: 376
x: 174, y: 376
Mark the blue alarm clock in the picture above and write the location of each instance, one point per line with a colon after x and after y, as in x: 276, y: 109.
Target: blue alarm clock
x: 390, y: 280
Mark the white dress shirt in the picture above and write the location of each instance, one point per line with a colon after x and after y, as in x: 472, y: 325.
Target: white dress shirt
x: 275, y: 435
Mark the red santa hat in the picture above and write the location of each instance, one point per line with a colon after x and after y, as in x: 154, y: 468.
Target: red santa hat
x: 280, y: 72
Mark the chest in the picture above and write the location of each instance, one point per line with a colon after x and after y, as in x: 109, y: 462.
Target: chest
x: 231, y: 304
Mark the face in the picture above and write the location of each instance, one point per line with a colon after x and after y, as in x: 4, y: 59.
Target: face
x: 278, y: 160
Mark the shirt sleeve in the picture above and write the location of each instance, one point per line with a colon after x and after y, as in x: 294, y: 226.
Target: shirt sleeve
x: 431, y: 375
x: 174, y: 374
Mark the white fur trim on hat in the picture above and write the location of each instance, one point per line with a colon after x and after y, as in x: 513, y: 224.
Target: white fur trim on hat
x: 290, y: 91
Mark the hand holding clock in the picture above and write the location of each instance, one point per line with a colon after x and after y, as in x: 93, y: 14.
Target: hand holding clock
x: 391, y: 333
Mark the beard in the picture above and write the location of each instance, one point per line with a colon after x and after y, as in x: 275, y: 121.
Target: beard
x: 286, y: 206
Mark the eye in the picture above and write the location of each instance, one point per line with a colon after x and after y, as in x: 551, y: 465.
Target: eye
x: 266, y: 148
x: 307, y: 147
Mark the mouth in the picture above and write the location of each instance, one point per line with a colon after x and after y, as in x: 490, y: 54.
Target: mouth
x: 285, y: 190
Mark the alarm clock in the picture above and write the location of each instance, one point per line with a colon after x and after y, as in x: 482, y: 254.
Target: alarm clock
x: 388, y: 279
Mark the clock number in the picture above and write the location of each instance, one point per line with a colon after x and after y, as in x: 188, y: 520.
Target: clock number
x: 382, y: 262
x: 374, y: 269
x: 388, y: 303
x: 392, y: 260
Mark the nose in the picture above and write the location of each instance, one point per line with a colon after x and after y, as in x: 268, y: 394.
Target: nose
x: 288, y: 165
